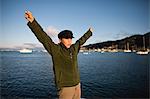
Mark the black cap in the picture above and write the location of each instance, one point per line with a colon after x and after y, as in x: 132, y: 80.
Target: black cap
x: 65, y: 34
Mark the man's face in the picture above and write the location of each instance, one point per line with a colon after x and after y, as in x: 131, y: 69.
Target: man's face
x: 66, y: 42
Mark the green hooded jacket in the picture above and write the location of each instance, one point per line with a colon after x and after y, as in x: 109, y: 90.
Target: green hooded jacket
x: 64, y: 59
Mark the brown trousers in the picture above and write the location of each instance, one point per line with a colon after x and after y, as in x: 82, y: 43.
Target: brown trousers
x: 70, y: 92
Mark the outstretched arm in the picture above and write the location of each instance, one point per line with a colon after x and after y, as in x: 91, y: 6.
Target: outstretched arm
x: 39, y: 33
x: 83, y: 39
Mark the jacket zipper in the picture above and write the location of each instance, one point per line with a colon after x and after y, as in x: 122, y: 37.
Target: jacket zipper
x: 71, y: 55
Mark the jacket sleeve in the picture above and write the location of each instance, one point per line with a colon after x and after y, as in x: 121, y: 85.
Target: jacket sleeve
x: 42, y: 36
x: 83, y: 39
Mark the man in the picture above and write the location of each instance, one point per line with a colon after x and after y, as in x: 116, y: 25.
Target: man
x: 64, y: 57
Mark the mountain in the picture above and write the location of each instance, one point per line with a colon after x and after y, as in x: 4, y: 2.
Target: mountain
x: 134, y: 42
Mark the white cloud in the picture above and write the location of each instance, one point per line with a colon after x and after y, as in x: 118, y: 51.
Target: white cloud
x: 52, y: 31
x: 122, y: 34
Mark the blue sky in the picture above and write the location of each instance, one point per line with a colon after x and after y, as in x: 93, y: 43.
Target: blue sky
x: 110, y: 19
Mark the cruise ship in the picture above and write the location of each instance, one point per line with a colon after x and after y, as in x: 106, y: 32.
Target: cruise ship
x: 25, y: 50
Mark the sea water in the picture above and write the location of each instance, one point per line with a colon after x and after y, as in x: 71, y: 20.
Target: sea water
x: 103, y: 75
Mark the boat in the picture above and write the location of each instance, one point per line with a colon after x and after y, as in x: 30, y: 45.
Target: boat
x: 144, y: 51
x: 45, y: 51
x: 127, y: 50
x: 25, y: 51
x: 86, y: 53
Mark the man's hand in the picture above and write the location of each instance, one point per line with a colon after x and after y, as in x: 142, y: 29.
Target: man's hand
x: 28, y: 15
x: 91, y: 29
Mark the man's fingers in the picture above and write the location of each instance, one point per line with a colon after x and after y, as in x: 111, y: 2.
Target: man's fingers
x: 26, y: 16
x: 28, y: 13
x: 91, y: 29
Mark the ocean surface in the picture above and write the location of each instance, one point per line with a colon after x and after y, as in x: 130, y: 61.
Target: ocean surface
x: 103, y: 75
